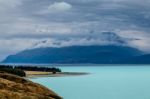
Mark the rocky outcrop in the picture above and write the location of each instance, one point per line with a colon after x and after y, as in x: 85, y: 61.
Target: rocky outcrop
x: 14, y: 87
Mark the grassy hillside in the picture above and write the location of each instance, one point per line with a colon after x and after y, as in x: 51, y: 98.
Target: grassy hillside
x: 15, y: 87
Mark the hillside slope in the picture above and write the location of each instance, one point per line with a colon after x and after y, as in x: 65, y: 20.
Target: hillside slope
x: 14, y: 87
x: 143, y: 59
x: 75, y: 54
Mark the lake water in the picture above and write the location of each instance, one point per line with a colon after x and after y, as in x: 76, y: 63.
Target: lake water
x: 104, y: 82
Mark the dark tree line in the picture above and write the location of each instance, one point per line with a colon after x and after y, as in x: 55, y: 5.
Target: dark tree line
x: 35, y: 68
x: 19, y: 70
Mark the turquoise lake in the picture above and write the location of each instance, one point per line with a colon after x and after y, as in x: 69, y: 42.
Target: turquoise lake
x: 103, y: 82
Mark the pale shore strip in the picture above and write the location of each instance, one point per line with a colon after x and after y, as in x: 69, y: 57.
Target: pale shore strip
x: 50, y: 74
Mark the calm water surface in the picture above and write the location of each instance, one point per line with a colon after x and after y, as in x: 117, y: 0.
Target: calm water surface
x: 104, y: 82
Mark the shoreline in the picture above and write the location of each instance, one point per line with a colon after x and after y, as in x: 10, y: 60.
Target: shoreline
x: 15, y: 87
x: 31, y: 74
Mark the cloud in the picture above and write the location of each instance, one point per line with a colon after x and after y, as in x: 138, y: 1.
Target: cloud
x: 137, y: 39
x: 7, y: 4
x: 12, y: 46
x: 57, y: 7
x: 25, y: 23
x: 8, y: 9
x: 60, y: 6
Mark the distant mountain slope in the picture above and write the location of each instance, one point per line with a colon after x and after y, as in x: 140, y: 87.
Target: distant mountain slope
x: 75, y: 54
x: 143, y: 59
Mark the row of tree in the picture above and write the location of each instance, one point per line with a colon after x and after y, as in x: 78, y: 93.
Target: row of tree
x: 19, y: 70
x: 36, y: 68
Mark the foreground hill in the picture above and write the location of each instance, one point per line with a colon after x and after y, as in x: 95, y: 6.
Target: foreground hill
x: 75, y: 54
x: 14, y: 87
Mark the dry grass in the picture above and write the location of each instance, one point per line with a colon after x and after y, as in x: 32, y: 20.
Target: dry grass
x: 14, y: 87
x: 37, y: 73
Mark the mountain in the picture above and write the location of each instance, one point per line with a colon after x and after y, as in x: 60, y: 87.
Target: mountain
x: 75, y: 54
x: 112, y: 37
x: 102, y: 38
x: 143, y: 59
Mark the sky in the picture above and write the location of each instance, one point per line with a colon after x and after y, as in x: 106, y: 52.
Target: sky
x: 26, y: 24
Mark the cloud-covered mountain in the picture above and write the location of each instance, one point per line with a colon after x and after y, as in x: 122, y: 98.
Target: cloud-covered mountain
x: 76, y: 55
x: 103, y: 38
x: 25, y: 23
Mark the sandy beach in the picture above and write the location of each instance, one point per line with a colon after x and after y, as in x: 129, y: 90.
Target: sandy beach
x: 50, y: 74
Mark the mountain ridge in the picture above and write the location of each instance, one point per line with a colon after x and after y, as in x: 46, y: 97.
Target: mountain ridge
x: 108, y: 54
